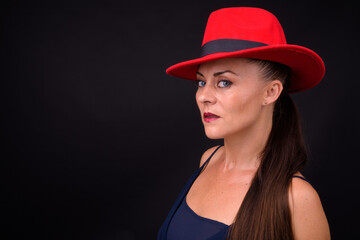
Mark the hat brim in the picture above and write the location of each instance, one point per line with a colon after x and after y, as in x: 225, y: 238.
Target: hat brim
x: 307, y: 68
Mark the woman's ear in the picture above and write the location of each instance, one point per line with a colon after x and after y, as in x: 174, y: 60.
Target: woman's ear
x: 272, y: 92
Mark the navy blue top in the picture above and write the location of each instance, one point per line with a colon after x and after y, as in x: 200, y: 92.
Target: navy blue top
x: 180, y: 213
x: 183, y: 223
x: 186, y: 224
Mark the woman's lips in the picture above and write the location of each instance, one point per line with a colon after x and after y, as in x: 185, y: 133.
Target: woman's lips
x: 209, y: 117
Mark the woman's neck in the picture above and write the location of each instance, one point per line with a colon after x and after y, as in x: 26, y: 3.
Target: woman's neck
x: 242, y: 150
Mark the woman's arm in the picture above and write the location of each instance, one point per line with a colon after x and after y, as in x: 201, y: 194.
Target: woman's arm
x: 308, y: 217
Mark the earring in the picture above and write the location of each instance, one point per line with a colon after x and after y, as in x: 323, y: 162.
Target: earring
x: 265, y: 103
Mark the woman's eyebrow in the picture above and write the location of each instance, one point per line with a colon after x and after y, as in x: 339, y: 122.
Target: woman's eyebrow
x: 200, y: 74
x: 226, y: 71
x: 218, y: 73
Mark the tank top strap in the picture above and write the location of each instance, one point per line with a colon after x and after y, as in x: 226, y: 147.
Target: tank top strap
x: 204, y: 164
x: 301, y: 178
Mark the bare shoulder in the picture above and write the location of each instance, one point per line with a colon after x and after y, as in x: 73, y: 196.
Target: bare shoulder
x: 308, y: 216
x: 207, y: 154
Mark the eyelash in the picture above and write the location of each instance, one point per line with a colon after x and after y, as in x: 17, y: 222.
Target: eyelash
x: 227, y: 81
x: 198, y: 83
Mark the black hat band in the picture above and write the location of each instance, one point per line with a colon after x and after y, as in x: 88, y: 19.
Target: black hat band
x: 228, y: 45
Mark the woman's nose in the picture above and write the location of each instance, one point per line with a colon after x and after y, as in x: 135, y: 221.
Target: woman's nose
x: 206, y: 94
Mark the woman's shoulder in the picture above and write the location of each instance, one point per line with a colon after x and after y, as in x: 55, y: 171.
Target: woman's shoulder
x: 207, y: 154
x: 308, y: 216
x: 301, y: 191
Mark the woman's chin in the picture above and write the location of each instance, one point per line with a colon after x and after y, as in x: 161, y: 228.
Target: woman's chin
x: 214, y: 134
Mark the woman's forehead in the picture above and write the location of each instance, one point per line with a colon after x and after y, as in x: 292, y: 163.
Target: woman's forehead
x: 236, y: 65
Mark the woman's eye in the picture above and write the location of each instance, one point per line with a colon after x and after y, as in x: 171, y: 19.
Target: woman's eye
x: 224, y: 83
x: 201, y: 83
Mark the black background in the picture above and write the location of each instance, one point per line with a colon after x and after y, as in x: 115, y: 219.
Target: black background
x: 97, y: 141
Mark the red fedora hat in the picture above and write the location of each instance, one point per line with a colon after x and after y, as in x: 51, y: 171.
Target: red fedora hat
x: 253, y: 33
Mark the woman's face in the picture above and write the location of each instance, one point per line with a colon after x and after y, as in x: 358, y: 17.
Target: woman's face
x: 233, y: 90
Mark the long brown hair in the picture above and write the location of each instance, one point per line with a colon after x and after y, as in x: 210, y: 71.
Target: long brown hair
x: 265, y: 213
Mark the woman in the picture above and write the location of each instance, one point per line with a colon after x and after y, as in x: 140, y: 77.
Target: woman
x: 249, y: 188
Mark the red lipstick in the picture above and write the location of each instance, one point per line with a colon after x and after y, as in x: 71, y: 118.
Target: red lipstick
x: 209, y: 117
